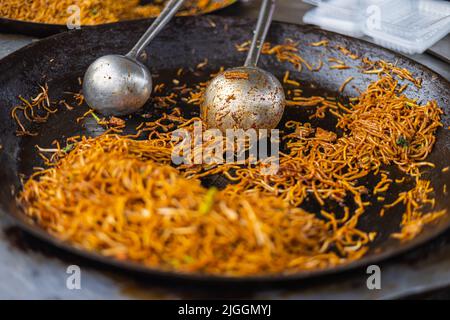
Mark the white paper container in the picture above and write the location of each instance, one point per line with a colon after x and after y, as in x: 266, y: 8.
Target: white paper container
x: 409, y: 26
x: 336, y: 15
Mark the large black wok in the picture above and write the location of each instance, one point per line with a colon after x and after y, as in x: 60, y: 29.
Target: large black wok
x: 61, y: 59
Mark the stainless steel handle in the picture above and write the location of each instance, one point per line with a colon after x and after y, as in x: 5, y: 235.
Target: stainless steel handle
x: 168, y: 12
x: 262, y: 26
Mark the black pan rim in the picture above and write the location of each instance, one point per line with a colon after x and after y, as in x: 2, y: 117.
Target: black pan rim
x: 212, y: 278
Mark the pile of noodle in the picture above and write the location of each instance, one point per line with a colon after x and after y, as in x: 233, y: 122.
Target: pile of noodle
x: 123, y: 197
x: 109, y: 195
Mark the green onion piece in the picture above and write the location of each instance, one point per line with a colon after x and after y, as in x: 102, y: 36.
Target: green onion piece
x: 402, y: 142
x: 68, y: 148
x: 208, y: 201
x: 95, y: 117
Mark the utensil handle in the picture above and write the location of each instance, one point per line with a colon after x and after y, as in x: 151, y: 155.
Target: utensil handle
x: 168, y: 12
x: 262, y: 26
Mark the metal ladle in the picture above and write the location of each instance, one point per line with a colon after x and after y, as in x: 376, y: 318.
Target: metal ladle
x: 119, y: 85
x: 246, y: 97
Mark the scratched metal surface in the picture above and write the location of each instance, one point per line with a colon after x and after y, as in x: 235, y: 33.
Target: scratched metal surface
x: 32, y: 269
